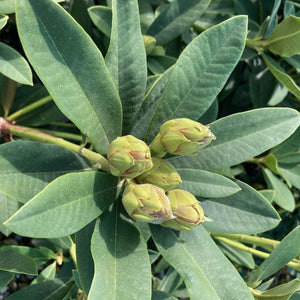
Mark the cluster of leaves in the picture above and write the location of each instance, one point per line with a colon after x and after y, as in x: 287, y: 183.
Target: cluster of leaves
x: 126, y: 69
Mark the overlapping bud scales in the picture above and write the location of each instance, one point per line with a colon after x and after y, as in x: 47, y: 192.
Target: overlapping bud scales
x: 129, y: 157
x: 146, y: 203
x: 186, y: 209
x: 181, y: 137
x: 162, y: 174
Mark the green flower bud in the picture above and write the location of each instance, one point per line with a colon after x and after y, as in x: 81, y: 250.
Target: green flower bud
x: 186, y: 209
x: 149, y: 43
x: 157, y: 148
x: 146, y: 203
x: 129, y: 157
x: 162, y: 175
x: 184, y: 136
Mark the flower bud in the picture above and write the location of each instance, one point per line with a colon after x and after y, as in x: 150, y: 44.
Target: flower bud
x: 129, y: 157
x: 162, y: 174
x: 146, y: 203
x: 157, y: 148
x: 149, y: 43
x: 184, y: 136
x: 186, y: 209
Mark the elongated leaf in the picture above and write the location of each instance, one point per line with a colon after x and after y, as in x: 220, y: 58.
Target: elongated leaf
x: 281, y: 76
x: 13, y: 260
x: 65, y: 206
x: 46, y: 290
x: 170, y: 282
x: 206, y: 184
x: 242, y: 136
x: 176, y: 18
x: 3, y: 21
x: 288, y: 249
x: 27, y: 167
x: 14, y: 65
x: 102, y: 18
x: 119, y: 253
x: 212, y: 56
x: 5, y: 278
x: 283, y: 197
x: 47, y: 274
x: 244, y: 212
x: 82, y: 87
x: 291, y: 172
x: 202, y: 265
x: 8, y: 206
x: 285, y: 38
x: 126, y: 58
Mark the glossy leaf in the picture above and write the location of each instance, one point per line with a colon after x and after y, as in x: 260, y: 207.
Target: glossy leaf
x: 242, y: 136
x: 204, y: 268
x: 3, y: 20
x: 120, y: 253
x: 14, y: 65
x: 287, y: 250
x: 46, y: 290
x: 102, y: 18
x: 64, y: 49
x: 65, y: 206
x: 244, y: 212
x: 283, y: 197
x: 126, y: 58
x: 190, y: 93
x: 5, y: 278
x: 285, y: 38
x: 176, y: 18
x: 8, y: 206
x: 281, y: 76
x: 206, y: 184
x: 27, y: 167
x: 13, y: 260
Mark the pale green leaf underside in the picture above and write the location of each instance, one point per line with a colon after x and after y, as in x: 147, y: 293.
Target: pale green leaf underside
x: 72, y: 69
x: 242, y: 136
x: 200, y: 263
x: 65, y: 206
x: 200, y: 73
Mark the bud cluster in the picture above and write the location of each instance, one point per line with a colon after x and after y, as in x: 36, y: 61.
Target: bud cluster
x: 150, y: 194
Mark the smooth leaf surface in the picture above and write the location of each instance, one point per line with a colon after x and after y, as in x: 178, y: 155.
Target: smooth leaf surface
x: 47, y: 274
x: 65, y: 206
x: 14, y: 65
x: 244, y: 212
x: 27, y: 167
x: 193, y: 86
x: 5, y: 278
x: 3, y: 20
x: 8, y: 206
x: 46, y: 290
x: 126, y: 58
x: 206, y: 184
x: 102, y: 18
x: 288, y: 249
x: 159, y: 295
x: 291, y: 172
x: 281, y: 76
x: 72, y: 69
x: 242, y: 136
x: 283, y: 197
x: 192, y: 254
x: 170, y: 281
x: 285, y: 38
x: 176, y: 18
x: 120, y: 253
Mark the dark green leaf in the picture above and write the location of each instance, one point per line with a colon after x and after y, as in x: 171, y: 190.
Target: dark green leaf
x: 291, y: 172
x: 170, y: 281
x: 8, y: 206
x: 102, y: 18
x: 159, y: 295
x: 5, y: 278
x: 65, y: 206
x: 47, y: 274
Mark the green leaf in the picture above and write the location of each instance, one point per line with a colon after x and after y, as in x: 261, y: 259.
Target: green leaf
x: 46, y: 290
x: 159, y: 64
x: 159, y: 295
x: 14, y: 65
x: 287, y: 250
x: 5, y: 278
x: 13, y: 259
x: 283, y: 197
x: 268, y: 194
x: 85, y: 263
x: 285, y: 38
x: 291, y: 172
x: 242, y: 136
x: 47, y: 274
x: 170, y: 281
x: 189, y: 94
x: 27, y: 167
x: 120, y: 253
x: 201, y: 264
x: 127, y: 67
x: 244, y: 212
x: 102, y: 18
x: 7, y: 6
x: 146, y: 14
x: 206, y: 184
x: 176, y: 18
x: 82, y: 86
x: 65, y: 206
x: 3, y: 20
x: 281, y: 76
x: 289, y: 158
x: 8, y: 206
